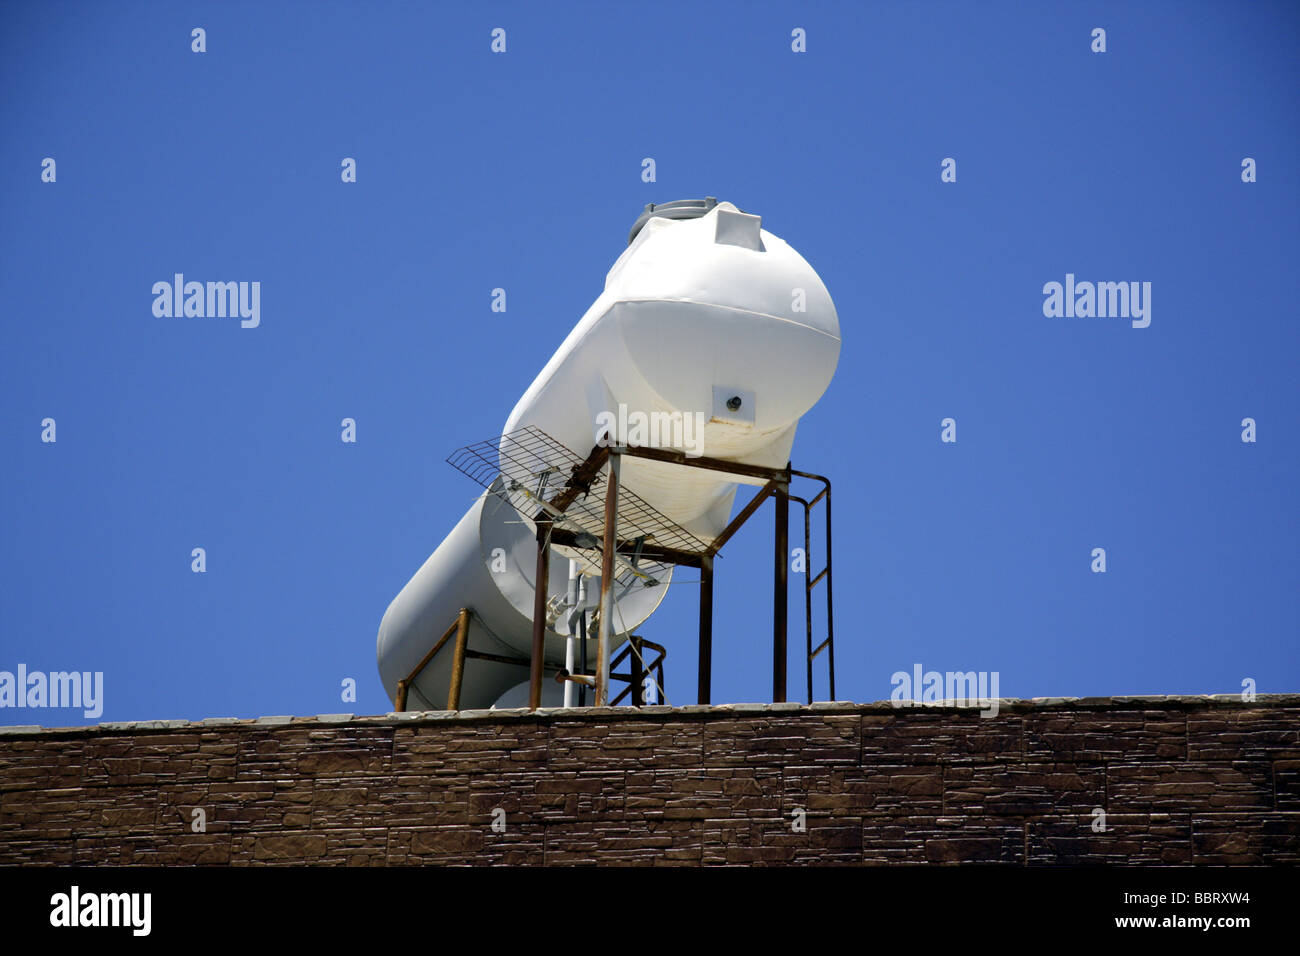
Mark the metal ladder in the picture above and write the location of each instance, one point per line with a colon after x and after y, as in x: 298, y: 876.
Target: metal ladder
x: 810, y: 582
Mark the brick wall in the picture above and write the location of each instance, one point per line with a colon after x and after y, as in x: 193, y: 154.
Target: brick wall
x: 1181, y: 780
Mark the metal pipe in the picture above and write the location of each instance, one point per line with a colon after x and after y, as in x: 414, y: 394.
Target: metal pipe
x: 571, y: 641
x: 539, y: 617
x: 807, y: 589
x: 582, y: 657
x: 607, y: 571
x: 569, y: 664
x: 780, y: 556
x: 458, y: 661
x: 638, y: 674
x: 830, y: 595
x: 706, y: 629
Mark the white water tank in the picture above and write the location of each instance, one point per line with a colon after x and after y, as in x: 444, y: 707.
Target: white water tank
x: 712, y: 335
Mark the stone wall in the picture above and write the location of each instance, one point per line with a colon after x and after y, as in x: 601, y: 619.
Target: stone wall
x: 1180, y: 780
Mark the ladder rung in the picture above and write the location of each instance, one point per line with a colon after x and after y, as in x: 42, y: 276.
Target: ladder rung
x: 820, y: 647
x: 813, y: 583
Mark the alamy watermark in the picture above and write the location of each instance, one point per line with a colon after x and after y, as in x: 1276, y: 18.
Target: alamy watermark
x: 681, y: 431
x: 1102, y: 300
x: 953, y: 688
x: 75, y: 908
x: 57, y: 689
x: 213, y: 300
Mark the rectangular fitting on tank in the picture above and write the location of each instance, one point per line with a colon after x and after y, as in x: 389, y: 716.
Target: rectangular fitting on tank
x: 732, y: 406
x: 738, y: 229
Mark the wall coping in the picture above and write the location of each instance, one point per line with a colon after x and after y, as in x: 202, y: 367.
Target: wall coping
x: 1006, y: 706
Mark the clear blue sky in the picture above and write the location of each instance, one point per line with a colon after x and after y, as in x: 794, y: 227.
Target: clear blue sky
x: 522, y: 171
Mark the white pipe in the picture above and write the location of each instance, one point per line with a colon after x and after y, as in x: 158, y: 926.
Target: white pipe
x: 571, y: 640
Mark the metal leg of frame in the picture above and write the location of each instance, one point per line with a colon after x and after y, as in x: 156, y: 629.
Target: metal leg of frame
x: 607, y: 574
x: 539, y: 617
x: 780, y: 556
x: 458, y: 660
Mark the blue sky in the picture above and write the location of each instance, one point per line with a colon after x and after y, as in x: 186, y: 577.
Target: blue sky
x: 523, y: 171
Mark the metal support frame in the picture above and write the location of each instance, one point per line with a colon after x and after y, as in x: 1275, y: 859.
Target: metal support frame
x: 567, y: 520
x: 776, y: 485
x: 460, y: 654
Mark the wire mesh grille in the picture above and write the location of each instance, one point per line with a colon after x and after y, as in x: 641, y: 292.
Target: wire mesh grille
x: 530, y: 469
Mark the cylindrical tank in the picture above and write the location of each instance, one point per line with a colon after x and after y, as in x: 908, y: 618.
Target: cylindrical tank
x: 712, y: 336
x: 488, y: 563
x: 696, y: 314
